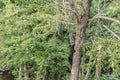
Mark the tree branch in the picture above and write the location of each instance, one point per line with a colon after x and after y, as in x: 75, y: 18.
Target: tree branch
x: 102, y: 16
x: 111, y: 32
x: 110, y: 19
x: 74, y: 9
x: 88, y: 71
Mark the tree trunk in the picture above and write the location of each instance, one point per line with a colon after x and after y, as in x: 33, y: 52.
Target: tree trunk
x: 82, y: 21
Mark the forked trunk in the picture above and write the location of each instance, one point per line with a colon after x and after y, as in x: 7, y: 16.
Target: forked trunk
x: 82, y: 21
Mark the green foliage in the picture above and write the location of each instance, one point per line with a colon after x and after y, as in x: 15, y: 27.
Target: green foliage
x: 29, y: 41
x: 105, y: 54
x: 29, y: 38
x: 2, y: 5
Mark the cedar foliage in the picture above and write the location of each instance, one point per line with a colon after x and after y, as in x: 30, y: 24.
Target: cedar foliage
x: 32, y: 47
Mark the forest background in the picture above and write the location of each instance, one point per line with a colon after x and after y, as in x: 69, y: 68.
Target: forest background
x: 35, y: 39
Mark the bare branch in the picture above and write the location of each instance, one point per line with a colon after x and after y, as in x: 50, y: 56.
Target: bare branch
x: 88, y: 71
x: 57, y: 11
x: 94, y: 17
x: 74, y: 9
x: 71, y: 38
x: 110, y: 19
x: 102, y: 16
x: 72, y: 2
x: 111, y: 32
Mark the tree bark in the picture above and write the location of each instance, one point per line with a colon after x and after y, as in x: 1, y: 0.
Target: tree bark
x: 82, y: 21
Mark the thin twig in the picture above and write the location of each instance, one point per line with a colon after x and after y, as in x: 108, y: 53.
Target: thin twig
x: 111, y: 32
x: 88, y: 71
x: 57, y: 11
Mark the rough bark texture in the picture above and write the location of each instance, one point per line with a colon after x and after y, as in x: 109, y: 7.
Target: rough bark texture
x: 82, y: 21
